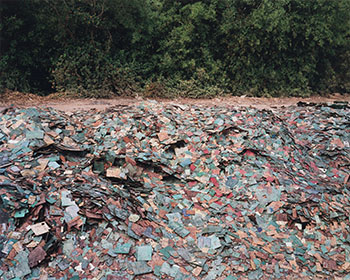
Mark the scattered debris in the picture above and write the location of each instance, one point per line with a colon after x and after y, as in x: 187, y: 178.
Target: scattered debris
x: 181, y: 192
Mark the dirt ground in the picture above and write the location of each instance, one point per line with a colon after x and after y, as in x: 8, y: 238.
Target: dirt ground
x: 70, y: 105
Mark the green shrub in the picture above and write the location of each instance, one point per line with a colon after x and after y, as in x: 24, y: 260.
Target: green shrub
x: 89, y: 72
x: 176, y: 48
x: 283, y: 45
x: 24, y: 48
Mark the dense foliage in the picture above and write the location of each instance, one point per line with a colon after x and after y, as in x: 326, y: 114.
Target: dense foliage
x: 166, y: 48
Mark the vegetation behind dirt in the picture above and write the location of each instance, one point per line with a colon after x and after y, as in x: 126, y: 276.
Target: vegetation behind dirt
x: 187, y: 48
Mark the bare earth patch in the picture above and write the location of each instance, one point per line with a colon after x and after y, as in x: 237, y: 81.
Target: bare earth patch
x: 68, y: 104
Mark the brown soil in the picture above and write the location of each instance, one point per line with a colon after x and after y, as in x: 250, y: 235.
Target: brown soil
x: 69, y: 104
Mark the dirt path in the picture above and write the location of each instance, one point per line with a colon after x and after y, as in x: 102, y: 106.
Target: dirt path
x: 71, y: 105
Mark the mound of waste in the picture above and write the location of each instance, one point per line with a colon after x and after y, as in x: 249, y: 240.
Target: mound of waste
x: 175, y: 192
